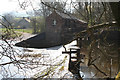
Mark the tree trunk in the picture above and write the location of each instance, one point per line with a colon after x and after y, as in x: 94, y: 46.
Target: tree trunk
x: 115, y: 6
x: 34, y: 26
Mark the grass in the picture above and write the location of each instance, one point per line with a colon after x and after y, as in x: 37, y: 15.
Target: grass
x: 18, y: 30
x: 24, y: 30
x: 8, y: 34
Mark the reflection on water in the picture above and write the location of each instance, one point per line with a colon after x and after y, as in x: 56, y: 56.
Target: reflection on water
x: 105, y: 63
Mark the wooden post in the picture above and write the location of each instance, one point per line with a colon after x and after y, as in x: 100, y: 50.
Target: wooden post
x: 74, y: 66
x: 69, y: 68
x: 78, y: 63
x: 79, y: 42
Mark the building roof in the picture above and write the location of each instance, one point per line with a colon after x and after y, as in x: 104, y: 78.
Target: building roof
x: 24, y: 20
x: 69, y: 16
x: 38, y: 41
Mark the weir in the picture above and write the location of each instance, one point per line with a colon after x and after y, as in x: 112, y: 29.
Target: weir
x: 75, y: 58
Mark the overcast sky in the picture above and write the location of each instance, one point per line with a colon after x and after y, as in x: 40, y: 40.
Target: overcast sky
x: 12, y: 6
x: 8, y: 6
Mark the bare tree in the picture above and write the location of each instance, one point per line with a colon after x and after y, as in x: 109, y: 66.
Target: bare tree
x: 99, y: 50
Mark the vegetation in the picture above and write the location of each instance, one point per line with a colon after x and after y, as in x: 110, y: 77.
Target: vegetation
x: 99, y: 17
x: 100, y: 53
x: 18, y: 30
x: 9, y: 35
x: 24, y: 30
x: 38, y: 24
x: 34, y: 24
x: 18, y: 33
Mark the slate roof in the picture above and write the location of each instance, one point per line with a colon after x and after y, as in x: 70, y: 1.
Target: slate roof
x: 69, y: 16
x: 24, y: 20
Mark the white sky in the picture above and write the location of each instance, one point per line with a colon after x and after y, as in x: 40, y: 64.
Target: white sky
x: 13, y: 5
x: 7, y: 6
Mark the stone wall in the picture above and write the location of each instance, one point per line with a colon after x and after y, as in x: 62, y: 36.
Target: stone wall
x: 53, y: 32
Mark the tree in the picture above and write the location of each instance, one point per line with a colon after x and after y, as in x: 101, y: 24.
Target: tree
x: 98, y: 17
x: 115, y: 10
x: 8, y: 19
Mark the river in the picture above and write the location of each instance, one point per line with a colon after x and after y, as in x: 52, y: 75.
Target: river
x: 49, y: 57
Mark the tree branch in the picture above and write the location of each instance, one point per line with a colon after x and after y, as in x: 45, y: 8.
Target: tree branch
x: 99, y: 69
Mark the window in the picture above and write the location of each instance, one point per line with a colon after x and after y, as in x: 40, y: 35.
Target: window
x: 54, y: 22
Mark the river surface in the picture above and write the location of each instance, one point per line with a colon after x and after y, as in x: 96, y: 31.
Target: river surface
x: 51, y: 59
x: 45, y: 60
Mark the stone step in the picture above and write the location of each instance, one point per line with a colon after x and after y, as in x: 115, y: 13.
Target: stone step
x: 68, y: 52
x: 74, y: 57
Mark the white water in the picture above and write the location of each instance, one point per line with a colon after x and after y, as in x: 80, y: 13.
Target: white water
x: 49, y: 53
x: 51, y: 56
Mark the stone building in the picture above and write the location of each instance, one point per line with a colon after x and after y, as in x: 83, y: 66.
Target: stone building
x: 23, y: 23
x: 60, y: 29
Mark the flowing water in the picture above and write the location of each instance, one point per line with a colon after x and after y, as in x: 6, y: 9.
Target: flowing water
x: 49, y: 57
